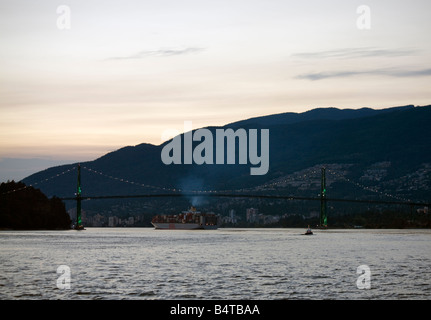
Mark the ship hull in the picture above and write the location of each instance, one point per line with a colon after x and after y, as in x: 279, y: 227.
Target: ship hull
x: 186, y: 220
x: 182, y: 226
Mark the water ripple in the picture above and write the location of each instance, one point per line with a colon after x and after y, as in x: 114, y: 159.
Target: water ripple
x: 223, y: 264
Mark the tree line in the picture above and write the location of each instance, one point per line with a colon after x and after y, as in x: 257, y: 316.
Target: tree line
x: 26, y: 208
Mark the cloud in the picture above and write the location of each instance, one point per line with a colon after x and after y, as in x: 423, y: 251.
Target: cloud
x: 412, y: 73
x: 160, y: 53
x: 358, y: 53
x: 378, y: 72
x: 325, y: 75
x: 350, y: 53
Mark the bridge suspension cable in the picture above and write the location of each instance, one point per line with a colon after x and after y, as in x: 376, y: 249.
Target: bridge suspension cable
x: 265, y: 185
x: 359, y: 185
x: 309, y: 174
x: 41, y: 181
x: 227, y: 193
x: 238, y: 193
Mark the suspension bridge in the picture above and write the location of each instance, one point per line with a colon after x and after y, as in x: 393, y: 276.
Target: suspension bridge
x: 166, y: 192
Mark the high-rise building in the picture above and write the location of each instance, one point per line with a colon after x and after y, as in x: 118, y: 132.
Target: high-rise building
x: 252, y: 214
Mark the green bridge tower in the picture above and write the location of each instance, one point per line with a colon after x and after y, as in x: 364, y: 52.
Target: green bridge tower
x: 78, y: 225
x: 323, y: 220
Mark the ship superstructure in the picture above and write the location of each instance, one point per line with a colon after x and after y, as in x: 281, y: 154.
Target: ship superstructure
x: 186, y: 220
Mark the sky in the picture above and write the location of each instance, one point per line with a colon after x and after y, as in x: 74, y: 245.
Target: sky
x: 81, y: 78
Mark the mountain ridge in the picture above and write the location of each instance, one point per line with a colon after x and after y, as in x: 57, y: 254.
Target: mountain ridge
x: 353, y: 139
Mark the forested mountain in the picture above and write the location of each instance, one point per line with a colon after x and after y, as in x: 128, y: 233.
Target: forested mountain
x: 386, y: 153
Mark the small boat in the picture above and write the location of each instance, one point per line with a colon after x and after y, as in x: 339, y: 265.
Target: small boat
x: 308, y: 232
x: 78, y: 227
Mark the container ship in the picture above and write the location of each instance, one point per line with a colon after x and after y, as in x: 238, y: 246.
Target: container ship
x: 187, y: 220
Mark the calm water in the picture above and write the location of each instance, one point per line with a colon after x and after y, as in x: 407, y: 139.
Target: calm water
x: 269, y: 264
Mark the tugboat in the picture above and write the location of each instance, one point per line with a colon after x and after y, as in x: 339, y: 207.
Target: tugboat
x: 308, y: 232
x: 78, y: 227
